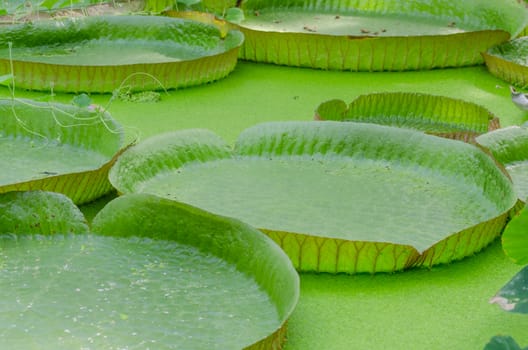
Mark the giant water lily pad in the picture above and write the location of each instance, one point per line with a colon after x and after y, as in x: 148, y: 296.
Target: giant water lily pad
x: 229, y: 286
x: 57, y: 147
x: 102, y: 53
x: 510, y: 147
x: 337, y: 197
x: 376, y: 35
x: 509, y: 61
x: 437, y: 115
x: 38, y: 212
x: 515, y: 238
x: 178, y: 278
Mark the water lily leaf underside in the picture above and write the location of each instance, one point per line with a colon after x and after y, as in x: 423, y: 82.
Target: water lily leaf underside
x: 376, y: 35
x: 437, y: 115
x: 57, y: 147
x: 100, y: 54
x: 248, y: 251
x: 509, y: 61
x: 510, y: 147
x: 337, y: 197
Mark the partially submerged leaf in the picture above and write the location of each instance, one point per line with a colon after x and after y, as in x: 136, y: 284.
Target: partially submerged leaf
x: 510, y: 147
x: 515, y: 238
x: 513, y: 296
x: 57, y: 147
x: 376, y: 36
x: 247, y: 251
x: 234, y: 15
x: 82, y: 100
x: 437, y: 115
x: 100, y: 53
x: 503, y: 343
x: 39, y: 212
x: 390, y: 198
x: 6, y: 79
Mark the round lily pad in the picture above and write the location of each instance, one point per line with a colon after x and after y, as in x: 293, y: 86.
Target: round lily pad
x: 376, y: 35
x: 57, y: 147
x: 510, y: 147
x: 337, y: 197
x: 103, y: 53
x: 436, y: 115
x: 509, y: 61
x: 176, y: 278
x: 38, y: 212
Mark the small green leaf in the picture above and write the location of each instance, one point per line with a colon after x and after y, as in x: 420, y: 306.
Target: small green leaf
x: 513, y: 296
x: 48, y: 4
x: 502, y: 342
x: 82, y: 100
x: 331, y: 110
x: 515, y: 238
x: 6, y: 79
x: 189, y: 3
x: 234, y: 15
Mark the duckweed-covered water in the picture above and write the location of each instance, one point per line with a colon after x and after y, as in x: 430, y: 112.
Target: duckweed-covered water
x: 94, y: 292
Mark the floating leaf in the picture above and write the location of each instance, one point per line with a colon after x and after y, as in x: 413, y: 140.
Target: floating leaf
x: 82, y: 100
x: 101, y: 53
x: 513, y: 296
x: 57, y: 147
x: 6, y: 79
x: 337, y: 197
x: 39, y: 212
x: 437, y: 115
x: 376, y: 36
x: 509, y: 61
x: 234, y: 15
x: 510, y: 147
x: 515, y: 238
x: 246, y: 251
x: 503, y: 343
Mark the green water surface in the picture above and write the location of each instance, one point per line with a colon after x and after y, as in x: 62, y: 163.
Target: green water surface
x: 94, y: 292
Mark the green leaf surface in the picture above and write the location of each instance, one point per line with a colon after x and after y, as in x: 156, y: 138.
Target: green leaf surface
x: 503, y: 343
x: 515, y: 238
x: 510, y: 147
x: 438, y: 115
x: 509, y: 61
x: 57, y: 147
x: 513, y: 296
x: 247, y: 250
x: 378, y: 184
x: 376, y: 35
x: 101, y: 53
x: 39, y: 212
